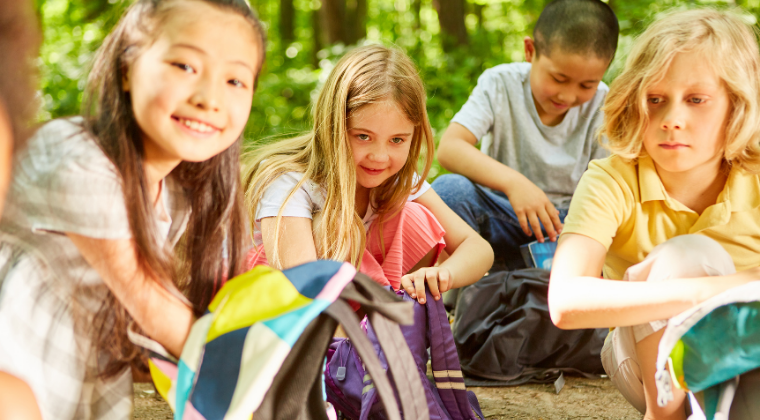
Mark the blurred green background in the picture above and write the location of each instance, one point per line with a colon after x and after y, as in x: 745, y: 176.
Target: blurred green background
x: 452, y: 42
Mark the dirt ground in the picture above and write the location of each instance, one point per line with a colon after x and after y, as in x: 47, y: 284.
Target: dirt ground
x: 580, y: 399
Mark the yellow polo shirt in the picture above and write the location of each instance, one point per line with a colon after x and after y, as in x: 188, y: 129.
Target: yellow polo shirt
x: 624, y: 206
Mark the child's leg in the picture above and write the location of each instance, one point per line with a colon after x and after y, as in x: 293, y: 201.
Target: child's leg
x: 488, y: 213
x: 411, y: 238
x: 17, y: 401
x: 630, y: 353
x: 646, y: 350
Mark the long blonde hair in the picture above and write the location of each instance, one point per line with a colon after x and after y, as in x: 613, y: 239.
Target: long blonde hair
x: 364, y: 76
x: 727, y: 43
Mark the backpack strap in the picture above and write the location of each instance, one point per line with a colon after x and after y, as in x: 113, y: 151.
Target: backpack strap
x: 396, y: 350
x: 342, y: 312
x: 447, y: 372
x: 374, y: 298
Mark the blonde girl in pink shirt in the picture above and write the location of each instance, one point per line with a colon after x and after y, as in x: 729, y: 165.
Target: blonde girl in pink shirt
x: 351, y: 189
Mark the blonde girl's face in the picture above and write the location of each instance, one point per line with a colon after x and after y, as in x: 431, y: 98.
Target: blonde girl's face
x: 191, y: 89
x: 380, y: 136
x: 688, y: 111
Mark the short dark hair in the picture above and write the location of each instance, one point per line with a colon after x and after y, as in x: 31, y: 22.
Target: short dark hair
x: 577, y: 26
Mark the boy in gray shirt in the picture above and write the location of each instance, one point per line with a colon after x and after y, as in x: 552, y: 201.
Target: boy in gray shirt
x: 537, y: 123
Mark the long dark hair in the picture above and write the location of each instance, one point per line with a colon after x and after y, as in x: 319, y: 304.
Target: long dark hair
x: 215, y: 241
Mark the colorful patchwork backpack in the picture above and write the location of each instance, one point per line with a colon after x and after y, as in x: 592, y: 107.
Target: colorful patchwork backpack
x: 354, y: 394
x: 259, y: 350
x: 708, y: 348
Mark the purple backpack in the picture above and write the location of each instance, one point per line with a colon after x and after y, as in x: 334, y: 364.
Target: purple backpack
x: 352, y: 392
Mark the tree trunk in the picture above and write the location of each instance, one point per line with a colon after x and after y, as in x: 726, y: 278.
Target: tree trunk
x: 333, y: 18
x: 287, y: 21
x: 344, y: 21
x: 417, y: 9
x: 358, y: 21
x: 316, y: 25
x: 451, y: 20
x: 478, y: 9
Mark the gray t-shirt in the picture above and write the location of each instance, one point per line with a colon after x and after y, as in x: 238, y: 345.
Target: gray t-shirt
x: 501, y: 113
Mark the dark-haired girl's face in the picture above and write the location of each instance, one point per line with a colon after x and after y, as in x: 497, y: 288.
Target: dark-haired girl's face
x: 191, y: 89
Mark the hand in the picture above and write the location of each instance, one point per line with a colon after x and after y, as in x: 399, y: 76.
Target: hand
x: 531, y: 205
x: 438, y: 280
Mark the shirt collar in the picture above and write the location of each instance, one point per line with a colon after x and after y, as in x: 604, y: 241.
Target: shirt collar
x: 742, y: 189
x: 650, y: 184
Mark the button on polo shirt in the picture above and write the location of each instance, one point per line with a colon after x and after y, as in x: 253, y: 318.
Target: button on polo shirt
x: 624, y: 206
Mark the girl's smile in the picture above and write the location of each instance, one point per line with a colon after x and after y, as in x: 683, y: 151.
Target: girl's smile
x: 372, y: 171
x: 195, y: 127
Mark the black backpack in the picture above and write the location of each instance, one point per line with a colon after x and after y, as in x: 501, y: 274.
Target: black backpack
x: 505, y: 336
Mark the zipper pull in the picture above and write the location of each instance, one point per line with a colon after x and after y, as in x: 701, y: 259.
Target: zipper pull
x: 341, y: 374
x: 664, y: 387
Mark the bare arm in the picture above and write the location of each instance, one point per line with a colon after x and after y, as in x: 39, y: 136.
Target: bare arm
x: 296, y: 245
x: 162, y: 315
x: 6, y: 153
x: 470, y: 255
x: 578, y: 298
x: 458, y: 154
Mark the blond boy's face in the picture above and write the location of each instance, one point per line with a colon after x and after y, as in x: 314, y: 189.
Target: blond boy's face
x: 560, y: 81
x: 688, y: 111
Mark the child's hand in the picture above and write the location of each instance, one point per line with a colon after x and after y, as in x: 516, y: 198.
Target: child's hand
x: 438, y: 279
x: 531, y: 204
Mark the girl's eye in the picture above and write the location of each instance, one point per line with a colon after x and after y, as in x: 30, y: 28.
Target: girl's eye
x: 697, y: 100
x: 236, y: 83
x: 397, y: 140
x: 653, y: 101
x: 586, y: 87
x: 184, y: 67
x: 557, y: 80
x: 363, y: 137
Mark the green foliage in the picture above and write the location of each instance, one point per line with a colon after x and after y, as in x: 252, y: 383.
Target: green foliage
x: 73, y: 30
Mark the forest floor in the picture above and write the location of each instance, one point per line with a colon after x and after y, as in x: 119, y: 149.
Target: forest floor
x: 579, y: 399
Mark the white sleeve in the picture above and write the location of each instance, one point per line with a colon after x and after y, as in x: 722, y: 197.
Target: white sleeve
x: 423, y: 189
x: 302, y: 204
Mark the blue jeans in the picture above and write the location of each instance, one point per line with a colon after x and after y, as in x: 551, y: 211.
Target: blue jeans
x: 491, y: 215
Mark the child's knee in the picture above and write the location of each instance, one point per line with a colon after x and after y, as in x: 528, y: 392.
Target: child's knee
x: 453, y: 188
x: 684, y: 256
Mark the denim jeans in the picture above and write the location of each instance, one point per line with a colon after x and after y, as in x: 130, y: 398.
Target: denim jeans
x: 491, y: 215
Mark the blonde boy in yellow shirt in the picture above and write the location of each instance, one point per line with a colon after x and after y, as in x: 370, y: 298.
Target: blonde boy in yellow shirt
x: 678, y: 200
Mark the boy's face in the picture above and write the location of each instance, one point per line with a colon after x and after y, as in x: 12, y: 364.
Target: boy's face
x: 562, y: 80
x: 688, y: 113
